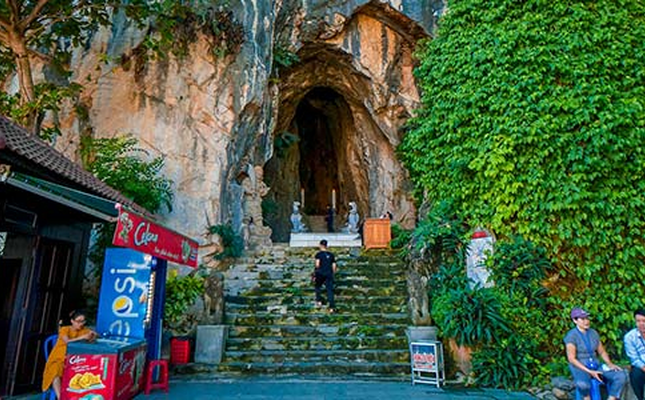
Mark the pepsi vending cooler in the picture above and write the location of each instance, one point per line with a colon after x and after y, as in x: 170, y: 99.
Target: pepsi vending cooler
x: 132, y: 297
x: 104, y: 370
x: 128, y: 322
x: 125, y: 302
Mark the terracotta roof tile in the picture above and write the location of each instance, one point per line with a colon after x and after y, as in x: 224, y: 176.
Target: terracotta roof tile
x: 18, y: 140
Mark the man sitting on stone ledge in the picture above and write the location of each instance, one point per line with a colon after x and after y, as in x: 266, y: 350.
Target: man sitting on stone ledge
x: 635, y: 349
x: 583, y: 346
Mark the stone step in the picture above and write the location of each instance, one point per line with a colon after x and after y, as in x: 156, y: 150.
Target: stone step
x: 318, y: 318
x: 364, y: 275
x: 304, y: 297
x: 281, y: 356
x: 344, y: 368
x: 304, y: 281
x: 307, y: 255
x: 343, y: 329
x: 294, y: 279
x: 307, y: 264
x: 275, y: 327
x: 316, y: 343
x: 348, y: 308
x: 339, y: 290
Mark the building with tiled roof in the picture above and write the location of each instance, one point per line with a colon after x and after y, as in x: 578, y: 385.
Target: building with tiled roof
x: 26, y: 152
x: 48, y: 205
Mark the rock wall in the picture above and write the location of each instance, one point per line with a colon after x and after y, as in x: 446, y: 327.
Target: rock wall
x: 215, y: 118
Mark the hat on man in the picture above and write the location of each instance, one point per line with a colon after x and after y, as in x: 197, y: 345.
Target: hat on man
x: 579, y: 313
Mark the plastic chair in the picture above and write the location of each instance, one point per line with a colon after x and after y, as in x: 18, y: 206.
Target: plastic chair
x: 163, y: 376
x: 48, y: 345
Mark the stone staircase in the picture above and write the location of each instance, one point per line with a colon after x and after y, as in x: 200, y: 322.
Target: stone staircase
x: 275, y: 327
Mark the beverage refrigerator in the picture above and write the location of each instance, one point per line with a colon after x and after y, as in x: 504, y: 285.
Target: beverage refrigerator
x: 129, y: 327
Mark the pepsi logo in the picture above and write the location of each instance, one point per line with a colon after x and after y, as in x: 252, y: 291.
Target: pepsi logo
x: 122, y: 305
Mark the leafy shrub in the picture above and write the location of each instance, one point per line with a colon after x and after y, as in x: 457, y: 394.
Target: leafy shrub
x: 120, y: 163
x: 283, y: 57
x: 518, y: 267
x: 232, y: 242
x: 470, y: 316
x: 508, y: 363
x: 498, y: 323
x: 438, y: 239
x: 181, y: 293
x: 539, y: 133
x: 400, y: 237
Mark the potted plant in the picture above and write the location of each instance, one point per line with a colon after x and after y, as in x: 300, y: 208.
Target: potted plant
x: 181, y: 293
x: 422, y: 327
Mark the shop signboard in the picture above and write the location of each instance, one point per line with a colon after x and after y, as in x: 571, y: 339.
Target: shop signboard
x: 426, y: 360
x: 136, y: 232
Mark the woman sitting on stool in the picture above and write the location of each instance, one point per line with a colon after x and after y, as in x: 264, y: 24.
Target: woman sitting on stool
x: 73, y: 333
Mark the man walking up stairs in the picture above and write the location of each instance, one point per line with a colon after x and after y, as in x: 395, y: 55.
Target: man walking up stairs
x: 325, y: 269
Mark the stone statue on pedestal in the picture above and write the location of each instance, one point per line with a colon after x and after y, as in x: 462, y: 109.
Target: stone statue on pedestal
x: 353, y: 219
x: 297, y: 226
x: 254, y: 187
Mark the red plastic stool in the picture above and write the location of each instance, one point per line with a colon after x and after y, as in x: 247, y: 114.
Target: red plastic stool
x: 163, y: 376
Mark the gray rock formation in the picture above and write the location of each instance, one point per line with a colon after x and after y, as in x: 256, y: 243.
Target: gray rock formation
x: 343, y: 103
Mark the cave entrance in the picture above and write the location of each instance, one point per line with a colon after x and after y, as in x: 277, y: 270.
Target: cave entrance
x: 319, y: 131
x: 312, y: 163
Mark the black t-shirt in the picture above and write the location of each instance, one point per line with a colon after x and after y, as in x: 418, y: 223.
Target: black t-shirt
x: 327, y: 259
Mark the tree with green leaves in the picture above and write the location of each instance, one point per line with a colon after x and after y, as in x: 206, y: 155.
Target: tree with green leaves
x: 533, y: 124
x: 45, y: 31
x: 120, y: 163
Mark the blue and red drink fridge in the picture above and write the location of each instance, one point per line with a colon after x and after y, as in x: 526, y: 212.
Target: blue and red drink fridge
x: 128, y: 322
x: 130, y: 311
x: 105, y: 369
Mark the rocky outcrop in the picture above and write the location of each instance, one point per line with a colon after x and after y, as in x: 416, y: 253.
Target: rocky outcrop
x: 215, y: 118
x: 346, y: 101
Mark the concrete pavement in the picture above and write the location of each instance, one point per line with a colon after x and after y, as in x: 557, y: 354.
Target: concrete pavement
x: 323, y: 389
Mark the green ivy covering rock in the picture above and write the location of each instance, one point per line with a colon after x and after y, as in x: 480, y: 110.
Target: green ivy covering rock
x: 532, y: 126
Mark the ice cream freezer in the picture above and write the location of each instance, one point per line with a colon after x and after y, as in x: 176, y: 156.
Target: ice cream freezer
x: 109, y: 368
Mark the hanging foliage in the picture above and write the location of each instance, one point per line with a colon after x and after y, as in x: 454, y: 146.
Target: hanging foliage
x: 533, y: 125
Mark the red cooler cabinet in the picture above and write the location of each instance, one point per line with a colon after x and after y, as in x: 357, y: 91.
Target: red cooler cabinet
x: 107, y: 369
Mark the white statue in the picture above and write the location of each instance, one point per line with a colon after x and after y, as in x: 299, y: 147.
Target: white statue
x: 353, y: 218
x: 297, y: 226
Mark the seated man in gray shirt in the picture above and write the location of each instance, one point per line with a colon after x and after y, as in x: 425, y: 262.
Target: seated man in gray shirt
x: 635, y: 349
x: 583, y: 346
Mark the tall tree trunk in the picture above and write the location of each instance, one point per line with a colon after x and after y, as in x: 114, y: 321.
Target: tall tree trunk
x: 25, y: 78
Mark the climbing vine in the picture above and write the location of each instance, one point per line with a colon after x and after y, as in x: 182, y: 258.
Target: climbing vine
x: 533, y: 125
x: 175, y: 26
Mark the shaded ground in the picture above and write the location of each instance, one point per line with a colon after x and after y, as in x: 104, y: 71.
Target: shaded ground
x: 292, y: 389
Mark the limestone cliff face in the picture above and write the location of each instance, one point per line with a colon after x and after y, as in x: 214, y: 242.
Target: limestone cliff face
x: 216, y: 119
